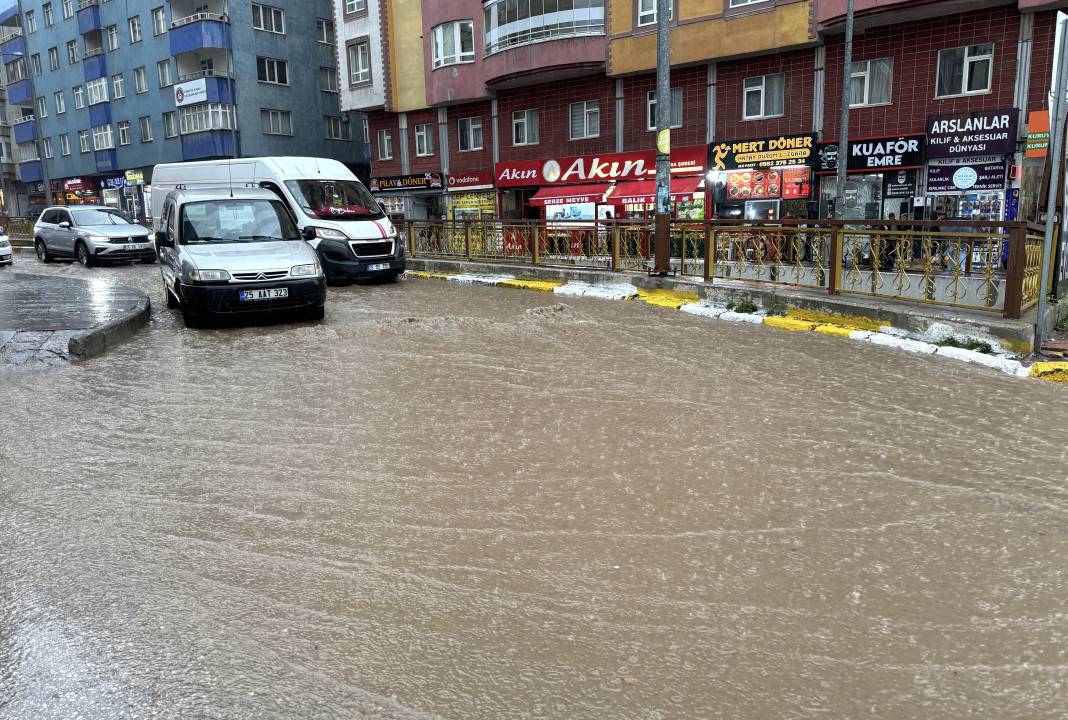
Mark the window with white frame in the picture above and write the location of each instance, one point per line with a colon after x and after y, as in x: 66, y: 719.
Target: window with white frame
x: 146, y: 128
x: 270, y: 70
x: 103, y: 137
x: 124, y: 132
x: 324, y: 30
x: 48, y: 152
x: 26, y: 152
x: 35, y: 61
x: 743, y: 3
x: 676, y: 109
x: 647, y: 11
x: 454, y: 42
x: 111, y: 35
x: 68, y: 9
x: 163, y: 69
x: 965, y: 70
x: 276, y: 122
x: 135, y: 29
x: 762, y: 96
x: 359, y: 62
x: 366, y: 130
x: 79, y: 97
x: 206, y: 116
x: 424, y: 140
x: 869, y: 82
x: 31, y: 22
x: 584, y: 120
x: 49, y: 17
x: 525, y: 127
x: 355, y: 6
x: 470, y: 134
x: 269, y: 19
x: 83, y: 141
x: 42, y: 107
x: 140, y: 80
x: 334, y: 128
x: 53, y: 58
x: 72, y: 52
x: 328, y: 79
x: 170, y: 124
x: 64, y: 145
x: 385, y: 144
x: 159, y: 21
x: 61, y: 102
x: 98, y: 90
x: 118, y: 86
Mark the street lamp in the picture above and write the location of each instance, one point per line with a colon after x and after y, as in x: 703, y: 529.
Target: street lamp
x: 37, y: 128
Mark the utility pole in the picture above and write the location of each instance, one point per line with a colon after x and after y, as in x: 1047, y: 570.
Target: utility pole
x: 843, y: 125
x: 1057, y: 121
x: 662, y: 249
x: 39, y: 141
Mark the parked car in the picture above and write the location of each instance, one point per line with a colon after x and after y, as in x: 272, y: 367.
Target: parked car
x: 349, y: 231
x: 235, y: 251
x: 7, y: 257
x: 91, y: 234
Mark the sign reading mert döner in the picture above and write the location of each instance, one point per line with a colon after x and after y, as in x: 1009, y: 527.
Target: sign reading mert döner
x: 987, y: 132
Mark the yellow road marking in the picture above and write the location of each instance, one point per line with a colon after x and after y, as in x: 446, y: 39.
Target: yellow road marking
x: 532, y: 284
x: 667, y: 298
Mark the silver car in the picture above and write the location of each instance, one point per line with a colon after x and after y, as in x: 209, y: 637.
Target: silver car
x: 6, y: 256
x: 91, y: 234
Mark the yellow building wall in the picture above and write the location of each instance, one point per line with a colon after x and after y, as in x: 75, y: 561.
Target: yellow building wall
x: 407, y: 72
x: 716, y: 37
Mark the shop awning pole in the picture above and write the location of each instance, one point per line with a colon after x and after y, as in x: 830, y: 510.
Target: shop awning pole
x: 661, y: 254
x: 843, y: 129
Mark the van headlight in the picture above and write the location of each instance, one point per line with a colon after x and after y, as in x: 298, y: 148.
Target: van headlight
x: 304, y: 270
x: 208, y: 275
x: 324, y: 233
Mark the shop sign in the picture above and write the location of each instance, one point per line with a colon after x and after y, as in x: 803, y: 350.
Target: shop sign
x: 778, y: 151
x: 456, y: 181
x: 969, y: 177
x: 426, y: 181
x: 114, y: 182
x: 606, y: 167
x: 191, y: 93
x: 873, y: 155
x: 1037, y: 134
x: 988, y: 132
x: 75, y: 184
x: 135, y: 177
x: 899, y: 184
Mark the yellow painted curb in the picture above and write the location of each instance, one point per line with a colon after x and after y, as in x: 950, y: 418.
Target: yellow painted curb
x: 1020, y: 347
x: 667, y: 298
x: 428, y: 275
x: 835, y: 330
x: 531, y: 284
x: 1052, y: 371
x: 788, y: 323
x: 855, y: 322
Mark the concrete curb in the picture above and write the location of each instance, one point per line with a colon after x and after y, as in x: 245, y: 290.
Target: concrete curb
x: 99, y: 340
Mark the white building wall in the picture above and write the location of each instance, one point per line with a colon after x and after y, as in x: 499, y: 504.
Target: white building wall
x: 354, y: 27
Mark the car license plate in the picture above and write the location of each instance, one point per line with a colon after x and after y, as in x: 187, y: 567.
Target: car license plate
x: 129, y: 247
x: 378, y: 266
x: 264, y: 294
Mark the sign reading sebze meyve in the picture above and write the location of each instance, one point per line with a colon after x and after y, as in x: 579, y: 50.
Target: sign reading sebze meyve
x: 987, y: 132
x: 191, y: 93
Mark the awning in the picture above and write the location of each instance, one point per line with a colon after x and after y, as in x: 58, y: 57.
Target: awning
x: 570, y: 194
x: 643, y: 192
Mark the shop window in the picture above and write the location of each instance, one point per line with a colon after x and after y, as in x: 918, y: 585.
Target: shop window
x: 385, y: 145
x: 470, y: 134
x: 585, y: 120
x: 965, y: 70
x: 424, y: 140
x: 525, y: 127
x: 676, y: 109
x: 763, y: 96
x: 454, y: 42
x: 869, y: 83
x: 647, y: 12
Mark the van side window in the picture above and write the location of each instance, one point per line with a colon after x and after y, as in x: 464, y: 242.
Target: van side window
x: 169, y: 214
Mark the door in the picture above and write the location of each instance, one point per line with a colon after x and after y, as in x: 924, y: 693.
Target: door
x: 45, y: 228
x: 64, y: 237
x: 168, y: 256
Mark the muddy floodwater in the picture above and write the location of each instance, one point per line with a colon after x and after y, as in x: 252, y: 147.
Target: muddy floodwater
x: 464, y: 502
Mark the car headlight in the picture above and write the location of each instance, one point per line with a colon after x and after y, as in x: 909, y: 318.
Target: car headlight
x: 329, y: 234
x: 209, y: 275
x: 98, y: 239
x: 4, y: 242
x: 304, y: 270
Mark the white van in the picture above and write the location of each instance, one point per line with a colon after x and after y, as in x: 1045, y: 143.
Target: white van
x: 353, y: 237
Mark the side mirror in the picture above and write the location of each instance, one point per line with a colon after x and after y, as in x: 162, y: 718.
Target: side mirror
x: 65, y: 225
x: 308, y: 233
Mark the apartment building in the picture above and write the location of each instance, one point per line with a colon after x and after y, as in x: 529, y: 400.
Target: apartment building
x: 106, y: 89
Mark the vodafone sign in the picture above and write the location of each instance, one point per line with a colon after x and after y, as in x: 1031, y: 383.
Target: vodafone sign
x: 639, y: 165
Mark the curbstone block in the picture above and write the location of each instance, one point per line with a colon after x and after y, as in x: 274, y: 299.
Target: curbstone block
x: 789, y: 323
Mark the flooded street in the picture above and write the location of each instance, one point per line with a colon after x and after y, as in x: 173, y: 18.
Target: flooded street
x: 465, y: 502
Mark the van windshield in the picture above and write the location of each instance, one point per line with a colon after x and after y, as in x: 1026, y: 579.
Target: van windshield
x: 335, y: 199
x: 234, y: 221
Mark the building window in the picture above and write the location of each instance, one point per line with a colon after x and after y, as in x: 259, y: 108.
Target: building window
x: 61, y: 102
x: 79, y: 97
x: 359, y: 62
x: 869, y: 82
x: 454, y: 42
x: 49, y: 18
x: 98, y: 90
x: 68, y: 9
x: 424, y: 140
x: 103, y: 138
x: 743, y: 3
x: 585, y: 120
x: 124, y: 132
x: 163, y: 69
x: 140, y: 80
x: 269, y: 19
x: 366, y: 130
x: 334, y: 128
x: 276, y: 122
x: 355, y: 6
x: 328, y: 79
x: 763, y: 96
x: 112, y: 35
x: 324, y: 29
x: 48, y: 152
x: 170, y: 124
x: 269, y: 70
x: 53, y: 58
x: 207, y: 116
x: 965, y: 70
x: 525, y: 127
x: 146, y: 128
x: 647, y: 12
x: 42, y: 107
x: 507, y: 23
x: 135, y: 29
x: 35, y: 61
x: 83, y: 141
x: 72, y: 52
x: 118, y: 86
x: 159, y: 21
x: 64, y: 145
x: 470, y: 134
x: 31, y: 22
x: 385, y: 144
x: 676, y: 109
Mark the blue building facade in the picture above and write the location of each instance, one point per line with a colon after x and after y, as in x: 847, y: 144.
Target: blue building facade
x: 106, y: 89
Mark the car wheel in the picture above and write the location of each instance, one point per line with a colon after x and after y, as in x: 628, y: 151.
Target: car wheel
x: 172, y: 301
x: 82, y: 253
x: 42, y: 251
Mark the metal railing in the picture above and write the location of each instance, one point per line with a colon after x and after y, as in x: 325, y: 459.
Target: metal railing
x: 993, y: 267
x: 204, y: 74
x: 197, y: 17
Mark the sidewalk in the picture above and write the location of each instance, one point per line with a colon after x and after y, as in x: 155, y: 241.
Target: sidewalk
x: 47, y: 319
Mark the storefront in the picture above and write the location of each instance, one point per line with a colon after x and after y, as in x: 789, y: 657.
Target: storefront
x: 882, y: 177
x: 72, y: 191
x: 411, y: 197
x: 968, y: 159
x: 762, y: 179
x: 470, y: 196
x: 136, y: 200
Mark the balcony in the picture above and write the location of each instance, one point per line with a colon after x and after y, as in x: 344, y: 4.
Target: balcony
x: 25, y: 129
x: 200, y: 31
x: 210, y: 144
x: 89, y: 16
x: 92, y: 53
x: 29, y: 171
x: 106, y: 161
x: 95, y: 66
x: 205, y: 75
x: 19, y: 93
x: 13, y: 46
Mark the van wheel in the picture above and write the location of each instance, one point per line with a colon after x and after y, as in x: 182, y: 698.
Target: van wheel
x: 42, y: 251
x: 81, y: 252
x: 172, y: 301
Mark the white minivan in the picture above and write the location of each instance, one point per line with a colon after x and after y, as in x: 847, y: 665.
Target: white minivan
x: 353, y: 237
